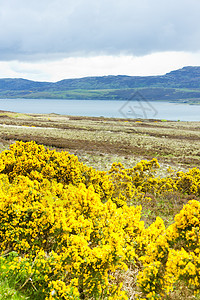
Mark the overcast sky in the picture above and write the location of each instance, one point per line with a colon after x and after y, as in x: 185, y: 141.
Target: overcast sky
x: 55, y: 39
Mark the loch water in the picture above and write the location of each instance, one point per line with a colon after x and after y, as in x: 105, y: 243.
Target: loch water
x: 105, y: 108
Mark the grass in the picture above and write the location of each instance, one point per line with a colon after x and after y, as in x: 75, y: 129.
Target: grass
x: 165, y: 206
x: 10, y: 293
x: 99, y: 141
x: 8, y: 283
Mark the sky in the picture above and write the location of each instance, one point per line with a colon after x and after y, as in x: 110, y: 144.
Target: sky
x: 50, y: 40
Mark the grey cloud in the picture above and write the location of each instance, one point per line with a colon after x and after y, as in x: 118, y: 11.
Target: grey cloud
x: 48, y: 29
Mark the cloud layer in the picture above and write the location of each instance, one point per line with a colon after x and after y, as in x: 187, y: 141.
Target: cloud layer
x: 52, y: 29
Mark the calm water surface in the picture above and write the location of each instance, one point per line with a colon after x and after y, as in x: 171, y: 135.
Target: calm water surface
x: 105, y: 108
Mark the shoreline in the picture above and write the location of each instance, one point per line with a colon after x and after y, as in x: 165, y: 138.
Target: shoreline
x: 92, y: 118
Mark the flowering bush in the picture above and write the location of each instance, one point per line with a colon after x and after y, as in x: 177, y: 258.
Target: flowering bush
x: 68, y: 231
x: 173, y: 257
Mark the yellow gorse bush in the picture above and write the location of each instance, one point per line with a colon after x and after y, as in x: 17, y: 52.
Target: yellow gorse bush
x: 174, y: 256
x: 72, y: 234
x: 67, y: 230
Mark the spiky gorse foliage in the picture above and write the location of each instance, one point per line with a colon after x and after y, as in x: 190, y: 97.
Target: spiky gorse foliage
x: 172, y: 259
x: 67, y: 231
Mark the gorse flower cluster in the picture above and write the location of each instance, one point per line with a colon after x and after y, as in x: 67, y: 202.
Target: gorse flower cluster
x: 67, y: 230
x: 172, y: 257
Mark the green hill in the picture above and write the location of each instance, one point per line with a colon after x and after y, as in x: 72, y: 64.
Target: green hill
x: 181, y: 85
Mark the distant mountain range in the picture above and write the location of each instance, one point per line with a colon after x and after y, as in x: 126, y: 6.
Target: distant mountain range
x: 181, y: 85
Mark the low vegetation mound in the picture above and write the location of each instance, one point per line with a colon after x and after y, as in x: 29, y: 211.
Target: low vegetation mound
x: 68, y: 231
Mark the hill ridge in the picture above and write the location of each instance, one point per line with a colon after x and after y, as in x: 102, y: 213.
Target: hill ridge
x: 178, y: 85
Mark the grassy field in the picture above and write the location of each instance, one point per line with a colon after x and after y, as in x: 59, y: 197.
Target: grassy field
x: 101, y: 141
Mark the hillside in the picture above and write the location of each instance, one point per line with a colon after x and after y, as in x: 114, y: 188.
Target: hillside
x: 181, y: 85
